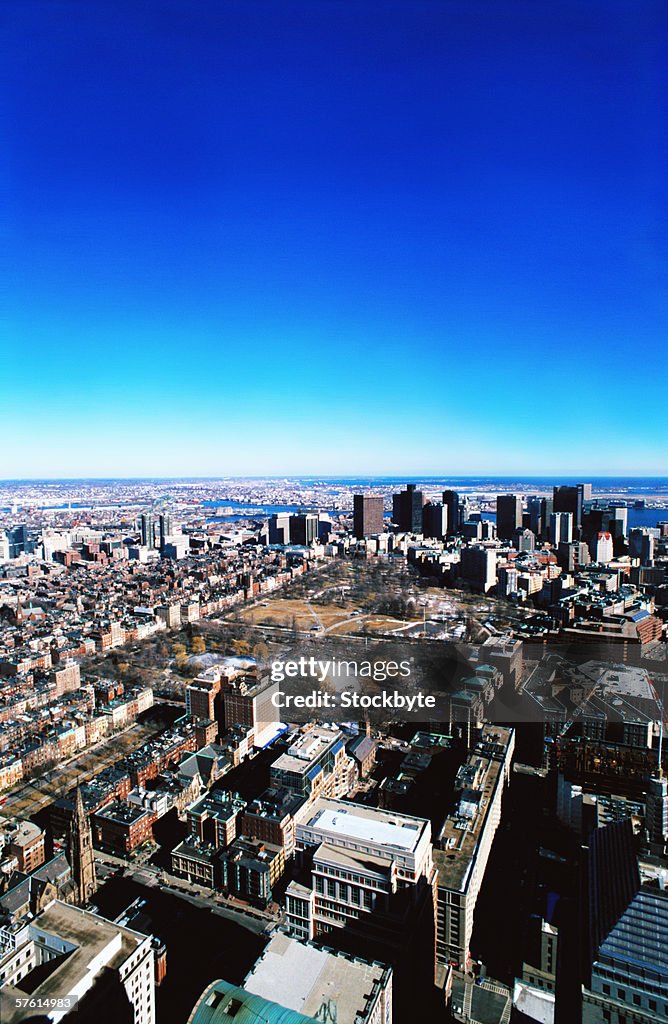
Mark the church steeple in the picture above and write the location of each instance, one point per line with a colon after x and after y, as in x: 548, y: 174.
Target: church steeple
x: 81, y: 851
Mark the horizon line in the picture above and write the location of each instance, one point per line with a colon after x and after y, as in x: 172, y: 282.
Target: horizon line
x: 332, y: 476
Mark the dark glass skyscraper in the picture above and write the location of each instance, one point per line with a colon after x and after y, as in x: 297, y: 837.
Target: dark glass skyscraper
x: 627, y: 958
x: 508, y: 515
x: 451, y: 502
x: 166, y: 527
x: 407, y: 509
x: 147, y: 523
x: 304, y: 528
x: 571, y: 498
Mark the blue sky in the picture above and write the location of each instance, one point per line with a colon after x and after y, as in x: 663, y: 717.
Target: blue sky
x: 333, y: 237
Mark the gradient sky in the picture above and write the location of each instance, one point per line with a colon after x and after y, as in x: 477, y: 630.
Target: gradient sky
x: 333, y: 236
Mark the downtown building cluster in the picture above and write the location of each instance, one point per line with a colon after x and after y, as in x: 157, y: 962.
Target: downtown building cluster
x: 571, y: 557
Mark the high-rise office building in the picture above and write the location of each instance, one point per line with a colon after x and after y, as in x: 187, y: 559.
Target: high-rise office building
x: 407, y: 509
x: 573, y: 556
x: 507, y: 581
x: 487, y: 530
x: 602, y: 548
x: 616, y: 520
x: 572, y: 498
x: 535, y: 510
x: 367, y: 515
x: 147, y: 526
x: 539, y: 511
x: 478, y: 567
x: 279, y: 528
x: 462, y: 848
x: 166, y: 527
x: 561, y: 528
x: 626, y: 978
x: 18, y: 543
x: 656, y: 819
x: 304, y: 528
x: 435, y: 520
x: 524, y: 540
x: 641, y: 545
x: 508, y: 515
x: 451, y: 503
x: 252, y: 705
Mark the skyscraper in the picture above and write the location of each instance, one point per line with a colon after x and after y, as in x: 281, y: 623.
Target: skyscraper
x: 166, y: 527
x: 602, y: 548
x: 540, y: 510
x: 571, y: 498
x: 407, y: 509
x: 279, y: 528
x: 561, y: 528
x: 508, y: 515
x: 451, y: 502
x: 81, y: 851
x: 616, y: 520
x: 524, y: 540
x: 18, y: 543
x: 478, y: 567
x: 627, y: 962
x: 367, y: 515
x: 641, y: 545
x: 435, y: 520
x: 147, y: 524
x: 304, y: 528
x: 656, y: 819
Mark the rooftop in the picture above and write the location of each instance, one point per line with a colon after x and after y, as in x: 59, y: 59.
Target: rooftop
x: 222, y: 1002
x: 628, y: 680
x: 311, y: 979
x: 121, y: 812
x: 367, y: 824
x: 306, y: 748
x: 487, y: 1002
x: 91, y: 943
x: 459, y: 837
x: 20, y: 833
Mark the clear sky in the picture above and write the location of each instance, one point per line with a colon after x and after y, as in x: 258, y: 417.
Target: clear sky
x: 333, y: 236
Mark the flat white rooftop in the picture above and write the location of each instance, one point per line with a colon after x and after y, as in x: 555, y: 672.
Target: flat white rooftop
x: 366, y: 824
x: 306, y: 978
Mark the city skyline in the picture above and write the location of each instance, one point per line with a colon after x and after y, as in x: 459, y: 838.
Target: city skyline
x: 545, y: 481
x: 315, y: 239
